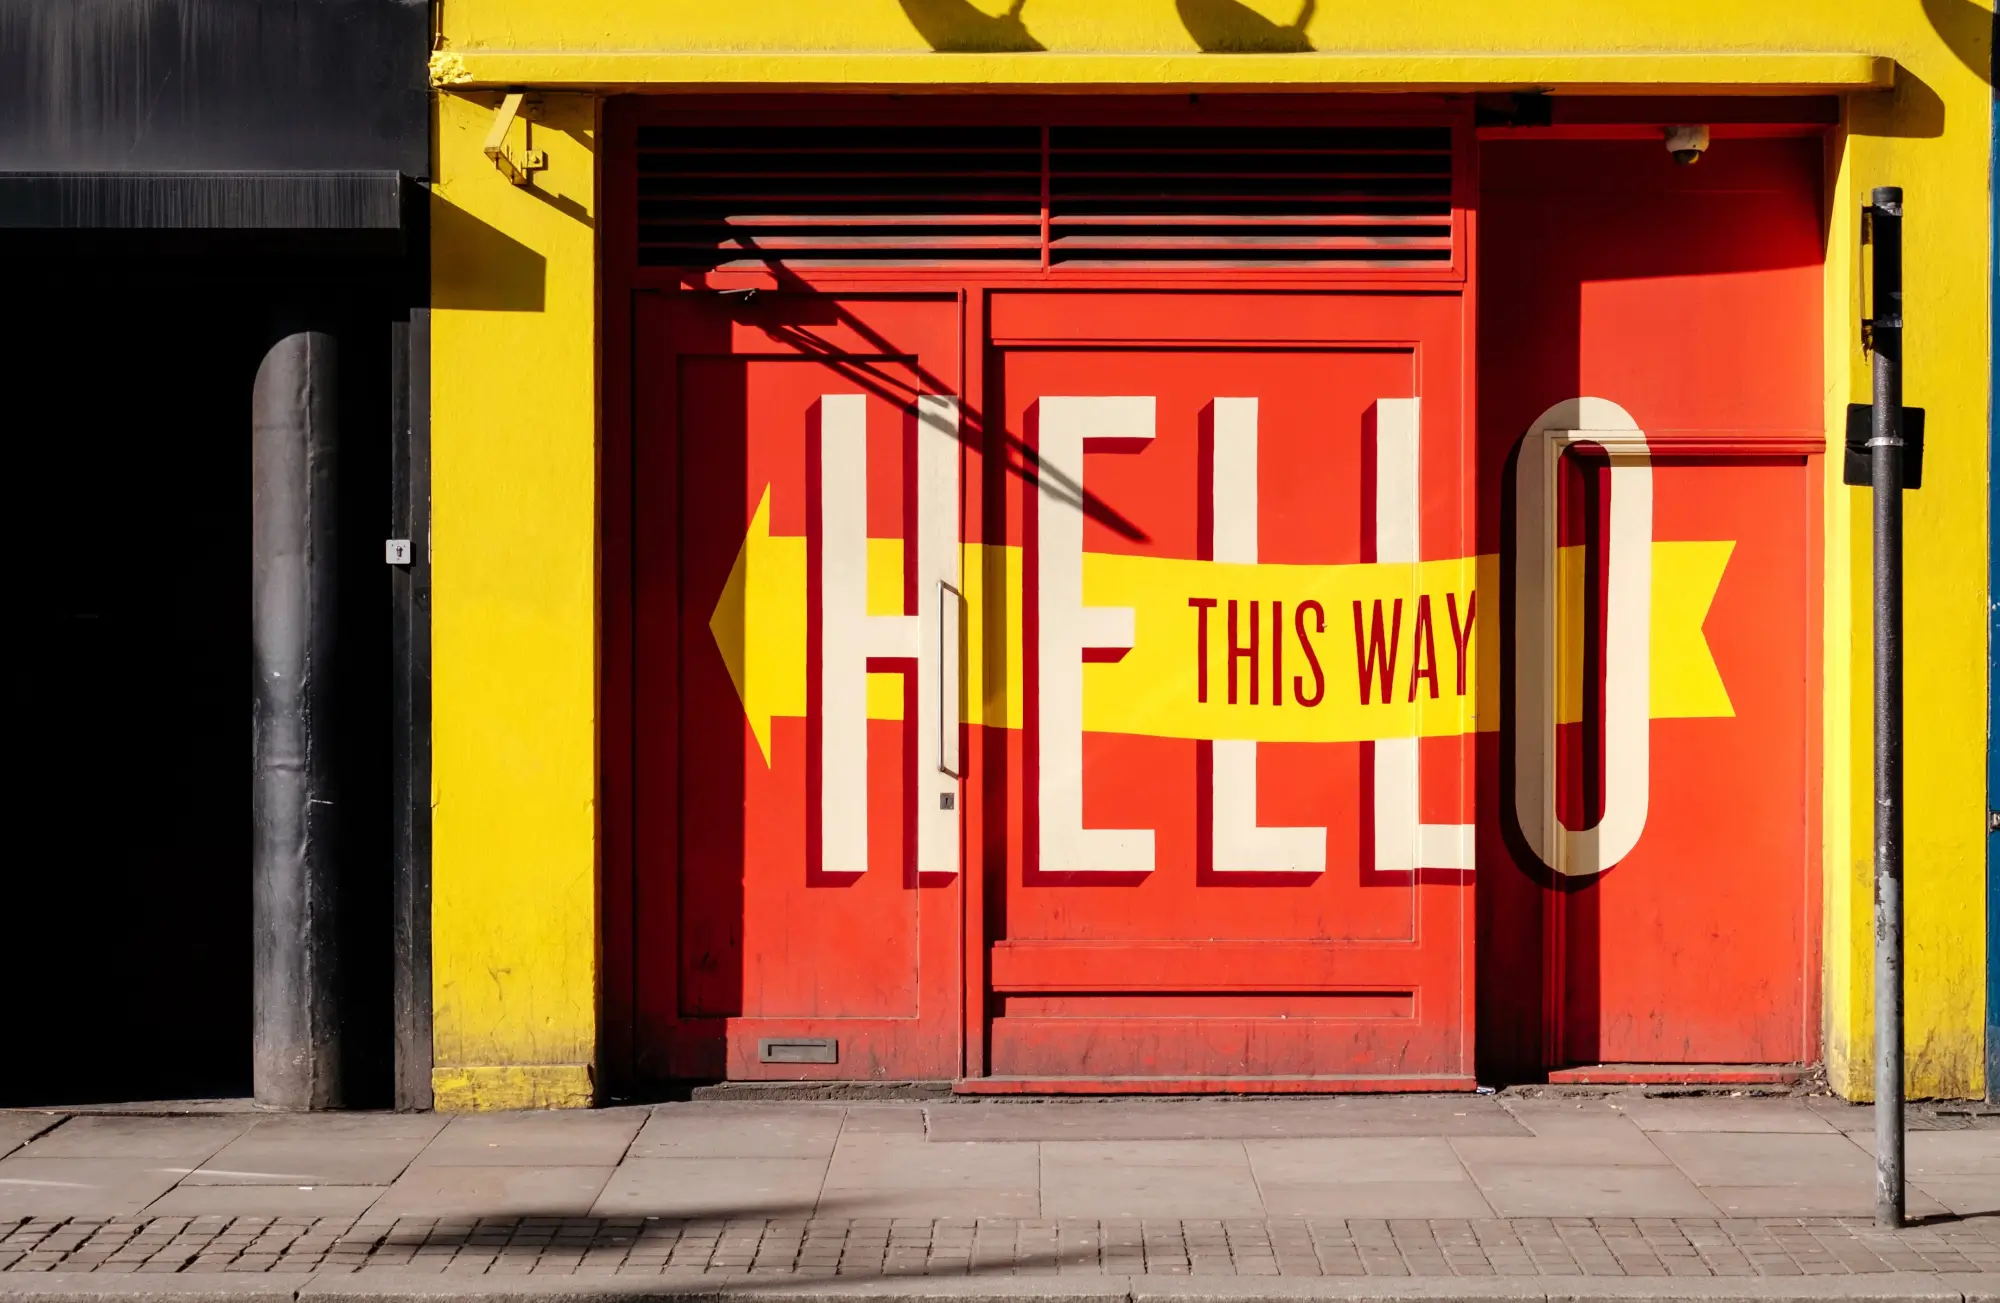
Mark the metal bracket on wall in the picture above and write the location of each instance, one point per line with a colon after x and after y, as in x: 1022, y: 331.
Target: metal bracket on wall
x: 518, y: 168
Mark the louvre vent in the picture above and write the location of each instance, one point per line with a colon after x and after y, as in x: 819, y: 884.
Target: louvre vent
x: 1034, y: 197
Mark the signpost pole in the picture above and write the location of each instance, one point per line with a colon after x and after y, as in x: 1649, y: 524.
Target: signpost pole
x: 1885, y: 447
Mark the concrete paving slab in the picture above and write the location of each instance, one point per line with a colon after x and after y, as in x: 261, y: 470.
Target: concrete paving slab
x: 188, y: 1140
x: 1841, y: 1115
x: 1167, y: 1120
x: 1374, y: 1199
x: 1944, y: 1153
x: 700, y: 1130
x: 1597, y: 1146
x: 17, y: 1129
x: 1708, y: 1113
x: 1351, y: 1161
x: 1579, y: 1190
x: 1964, y: 1195
x: 321, y: 1149
x: 1766, y: 1158
x: 1164, y: 1178
x: 1207, y: 1119
x: 910, y: 1162
x: 712, y: 1187
x: 1845, y: 1199
x: 482, y: 1190
x: 1381, y: 1177
x: 878, y: 1175
x: 266, y: 1200
x: 558, y: 1138
x: 885, y: 1120
x: 74, y: 1187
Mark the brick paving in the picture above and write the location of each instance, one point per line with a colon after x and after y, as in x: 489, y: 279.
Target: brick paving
x: 899, y: 1247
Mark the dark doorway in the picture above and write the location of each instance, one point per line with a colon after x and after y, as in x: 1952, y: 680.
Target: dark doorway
x: 126, y: 950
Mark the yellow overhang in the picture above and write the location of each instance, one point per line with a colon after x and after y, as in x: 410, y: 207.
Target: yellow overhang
x: 1736, y: 72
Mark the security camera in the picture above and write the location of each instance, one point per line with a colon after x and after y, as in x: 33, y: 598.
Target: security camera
x: 1686, y: 144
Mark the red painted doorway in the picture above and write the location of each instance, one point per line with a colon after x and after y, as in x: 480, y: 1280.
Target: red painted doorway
x: 795, y: 523
x: 1650, y: 354
x: 1221, y: 854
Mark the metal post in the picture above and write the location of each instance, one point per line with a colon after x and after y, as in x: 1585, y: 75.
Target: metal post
x: 1885, y: 446
x: 296, y: 1039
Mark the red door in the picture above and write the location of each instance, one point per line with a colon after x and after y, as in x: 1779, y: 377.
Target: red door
x: 1232, y: 821
x: 796, y: 525
x: 1661, y: 872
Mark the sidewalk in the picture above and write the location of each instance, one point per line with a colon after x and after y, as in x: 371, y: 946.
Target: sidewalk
x: 1547, y: 1193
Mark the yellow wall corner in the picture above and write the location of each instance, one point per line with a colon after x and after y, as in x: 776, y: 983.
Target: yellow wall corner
x: 514, y: 564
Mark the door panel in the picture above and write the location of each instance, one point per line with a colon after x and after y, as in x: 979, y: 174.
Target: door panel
x: 780, y: 529
x: 1208, y: 878
x: 1683, y: 304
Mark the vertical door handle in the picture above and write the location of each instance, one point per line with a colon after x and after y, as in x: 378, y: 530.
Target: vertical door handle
x: 948, y: 606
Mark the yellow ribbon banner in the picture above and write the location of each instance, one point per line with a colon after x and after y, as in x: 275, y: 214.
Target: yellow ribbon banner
x: 1269, y: 653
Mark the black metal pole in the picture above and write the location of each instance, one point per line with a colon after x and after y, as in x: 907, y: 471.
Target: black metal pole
x: 1885, y: 445
x: 296, y: 1049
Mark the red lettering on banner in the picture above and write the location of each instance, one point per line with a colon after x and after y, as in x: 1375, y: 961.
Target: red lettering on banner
x: 1461, y: 637
x: 1277, y: 653
x: 1203, y: 605
x: 1239, y: 651
x: 1371, y: 656
x: 1423, y: 649
x: 1312, y: 658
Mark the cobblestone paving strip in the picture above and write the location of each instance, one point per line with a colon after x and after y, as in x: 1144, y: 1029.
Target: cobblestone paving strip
x: 894, y: 1247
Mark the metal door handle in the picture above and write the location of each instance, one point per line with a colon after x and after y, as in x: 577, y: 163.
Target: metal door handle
x: 949, y: 604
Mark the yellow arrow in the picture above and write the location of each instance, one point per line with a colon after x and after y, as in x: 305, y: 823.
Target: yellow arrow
x: 759, y: 626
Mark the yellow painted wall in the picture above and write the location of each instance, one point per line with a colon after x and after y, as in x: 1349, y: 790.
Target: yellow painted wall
x: 514, y: 435
x: 514, y: 557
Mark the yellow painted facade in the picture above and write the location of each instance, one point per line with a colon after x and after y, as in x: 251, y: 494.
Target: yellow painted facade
x: 514, y: 614
x: 515, y: 434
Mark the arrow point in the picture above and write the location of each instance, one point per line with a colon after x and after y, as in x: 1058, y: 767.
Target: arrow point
x: 729, y: 625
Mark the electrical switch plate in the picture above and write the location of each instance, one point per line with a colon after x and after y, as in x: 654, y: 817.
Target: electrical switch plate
x: 397, y: 551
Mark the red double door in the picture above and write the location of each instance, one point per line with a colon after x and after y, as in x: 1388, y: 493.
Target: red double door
x: 1054, y: 688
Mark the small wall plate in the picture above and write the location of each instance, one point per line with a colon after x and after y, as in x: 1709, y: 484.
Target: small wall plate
x: 798, y: 1049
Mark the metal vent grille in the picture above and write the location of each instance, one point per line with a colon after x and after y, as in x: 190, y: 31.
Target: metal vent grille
x: 1045, y: 197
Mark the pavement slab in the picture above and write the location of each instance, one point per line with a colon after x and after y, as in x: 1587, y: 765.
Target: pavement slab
x: 591, y: 1138
x: 1768, y: 1158
x: 702, y: 1130
x: 1847, y: 1199
x: 321, y: 1149
x: 1208, y: 1119
x: 188, y: 1140
x: 1161, y: 1179
x: 17, y: 1129
x: 1708, y: 1113
x: 892, y: 1175
x: 271, y: 1200
x: 1389, y: 1177
x: 78, y: 1186
x: 486, y: 1189
x: 1584, y: 1190
x: 713, y: 1188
